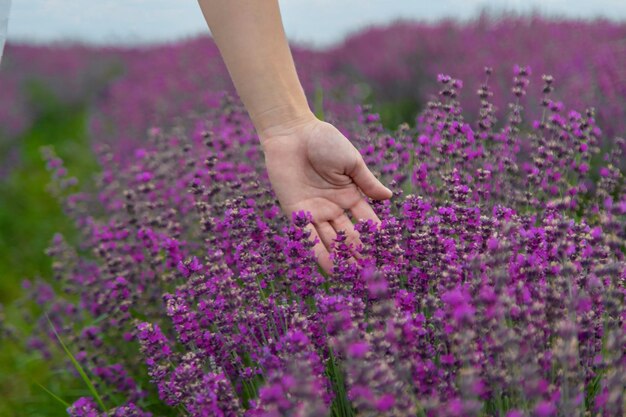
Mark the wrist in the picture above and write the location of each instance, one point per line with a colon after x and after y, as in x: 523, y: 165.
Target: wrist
x: 282, y: 120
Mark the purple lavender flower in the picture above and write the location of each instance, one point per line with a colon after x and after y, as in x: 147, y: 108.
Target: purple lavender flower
x: 493, y: 284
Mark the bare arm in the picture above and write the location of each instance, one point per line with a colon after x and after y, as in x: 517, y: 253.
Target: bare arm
x: 311, y: 165
x: 251, y: 39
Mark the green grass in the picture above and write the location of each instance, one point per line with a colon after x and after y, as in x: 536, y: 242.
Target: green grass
x: 29, y: 217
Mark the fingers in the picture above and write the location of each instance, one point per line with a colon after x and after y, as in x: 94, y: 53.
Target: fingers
x: 321, y: 253
x: 363, y: 211
x: 368, y: 183
x: 352, y: 236
x: 326, y: 233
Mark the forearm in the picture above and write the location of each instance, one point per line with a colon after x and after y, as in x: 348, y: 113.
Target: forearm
x: 251, y: 39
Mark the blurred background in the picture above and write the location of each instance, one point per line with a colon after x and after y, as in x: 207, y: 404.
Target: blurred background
x: 316, y: 23
x: 82, y: 75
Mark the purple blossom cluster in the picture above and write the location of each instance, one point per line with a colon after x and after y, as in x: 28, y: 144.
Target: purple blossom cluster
x: 494, y: 284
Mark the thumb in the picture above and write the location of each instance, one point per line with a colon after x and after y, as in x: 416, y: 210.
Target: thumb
x: 368, y: 183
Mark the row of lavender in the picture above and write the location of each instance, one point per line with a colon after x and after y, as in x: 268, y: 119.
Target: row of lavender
x: 494, y: 285
x: 128, y: 90
x: 587, y: 59
x: 135, y: 87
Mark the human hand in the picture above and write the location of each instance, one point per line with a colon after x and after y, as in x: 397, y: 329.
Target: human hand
x: 313, y: 167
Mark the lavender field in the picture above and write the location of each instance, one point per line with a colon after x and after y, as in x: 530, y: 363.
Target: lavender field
x: 147, y: 269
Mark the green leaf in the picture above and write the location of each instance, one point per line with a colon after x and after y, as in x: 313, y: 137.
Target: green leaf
x: 79, y: 368
x: 53, y: 395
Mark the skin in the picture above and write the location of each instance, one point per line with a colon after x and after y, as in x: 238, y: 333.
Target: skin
x: 312, y: 166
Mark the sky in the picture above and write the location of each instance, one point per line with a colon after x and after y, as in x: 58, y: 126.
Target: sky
x: 313, y: 22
